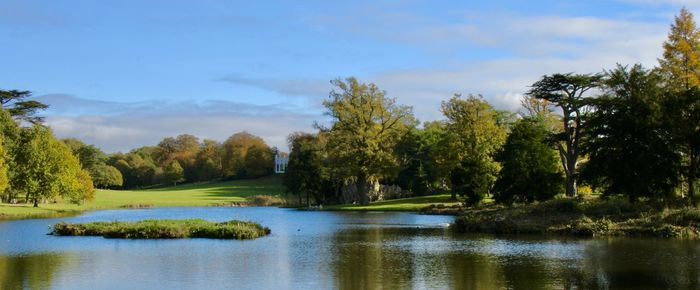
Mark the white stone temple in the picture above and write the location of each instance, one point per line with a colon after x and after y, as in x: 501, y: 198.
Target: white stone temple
x: 281, y: 160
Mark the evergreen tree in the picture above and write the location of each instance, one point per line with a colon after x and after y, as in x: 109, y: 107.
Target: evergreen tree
x: 680, y: 64
x: 529, y: 165
x: 629, y: 145
x: 568, y: 92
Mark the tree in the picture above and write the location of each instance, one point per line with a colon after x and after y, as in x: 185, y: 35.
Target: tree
x: 366, y: 125
x: 173, y: 173
x: 184, y: 149
x: 47, y: 169
x: 568, y: 92
x: 106, y: 176
x: 258, y: 161
x: 305, y: 171
x: 419, y: 173
x: 629, y: 145
x: 235, y: 149
x: 683, y: 115
x: 529, y: 165
x: 208, y: 160
x: 19, y: 107
x: 475, y: 133
x: 680, y: 64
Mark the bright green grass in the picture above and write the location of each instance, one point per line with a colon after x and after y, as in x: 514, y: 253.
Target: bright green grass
x: 199, y: 194
x: 403, y: 204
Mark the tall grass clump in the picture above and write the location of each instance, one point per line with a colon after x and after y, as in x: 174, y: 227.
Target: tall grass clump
x: 163, y: 229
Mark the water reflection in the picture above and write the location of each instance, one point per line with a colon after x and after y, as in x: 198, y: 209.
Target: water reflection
x: 29, y: 272
x: 321, y: 250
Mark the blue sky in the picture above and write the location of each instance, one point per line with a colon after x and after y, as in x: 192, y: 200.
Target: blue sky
x: 122, y: 74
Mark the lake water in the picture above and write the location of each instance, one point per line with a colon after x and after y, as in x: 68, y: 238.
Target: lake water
x: 334, y: 250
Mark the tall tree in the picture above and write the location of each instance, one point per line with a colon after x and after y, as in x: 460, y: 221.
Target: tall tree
x: 47, y: 169
x: 680, y: 64
x: 475, y: 133
x: 683, y: 115
x: 529, y: 164
x: 366, y: 127
x: 630, y: 146
x: 259, y: 161
x: 305, y: 171
x: 17, y: 103
x: 568, y: 92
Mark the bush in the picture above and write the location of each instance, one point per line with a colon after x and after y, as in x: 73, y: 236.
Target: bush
x: 585, y: 226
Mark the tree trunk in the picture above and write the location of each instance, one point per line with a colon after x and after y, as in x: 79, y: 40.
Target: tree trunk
x: 571, y: 186
x: 571, y: 172
x: 308, y: 202
x: 36, y: 202
x: 362, y: 189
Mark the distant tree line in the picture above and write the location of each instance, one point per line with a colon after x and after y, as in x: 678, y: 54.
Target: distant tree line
x: 185, y: 159
x: 628, y: 131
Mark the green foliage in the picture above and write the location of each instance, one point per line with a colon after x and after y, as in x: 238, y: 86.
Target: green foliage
x: 366, y: 128
x: 305, y: 172
x: 4, y: 177
x: 475, y: 132
x: 106, y: 176
x: 628, y: 143
x: 173, y: 173
x: 529, y: 164
x: 258, y: 161
x: 419, y: 173
x: 19, y: 107
x: 164, y: 229
x: 568, y: 92
x: 47, y: 169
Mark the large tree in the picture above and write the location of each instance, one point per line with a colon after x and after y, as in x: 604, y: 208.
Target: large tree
x: 47, y: 169
x: 366, y: 127
x: 4, y: 177
x: 569, y: 93
x: 680, y: 64
x: 305, y: 171
x: 629, y: 145
x: 475, y: 132
x: 234, y: 152
x: 529, y: 164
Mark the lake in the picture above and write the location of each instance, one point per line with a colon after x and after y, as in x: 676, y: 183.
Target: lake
x: 334, y: 250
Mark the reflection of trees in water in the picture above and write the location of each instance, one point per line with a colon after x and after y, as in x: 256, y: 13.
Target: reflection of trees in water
x: 398, y: 258
x: 638, y: 264
x: 363, y: 259
x: 29, y: 272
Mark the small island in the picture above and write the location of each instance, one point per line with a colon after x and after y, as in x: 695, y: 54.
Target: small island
x: 164, y: 229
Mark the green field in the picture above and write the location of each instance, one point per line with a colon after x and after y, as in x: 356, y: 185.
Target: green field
x: 403, y: 204
x: 198, y: 194
x: 201, y: 194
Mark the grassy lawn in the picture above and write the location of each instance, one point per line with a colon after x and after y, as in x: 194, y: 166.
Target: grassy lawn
x: 404, y: 204
x: 200, y: 194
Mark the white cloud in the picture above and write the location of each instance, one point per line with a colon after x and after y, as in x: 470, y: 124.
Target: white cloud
x: 132, y: 125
